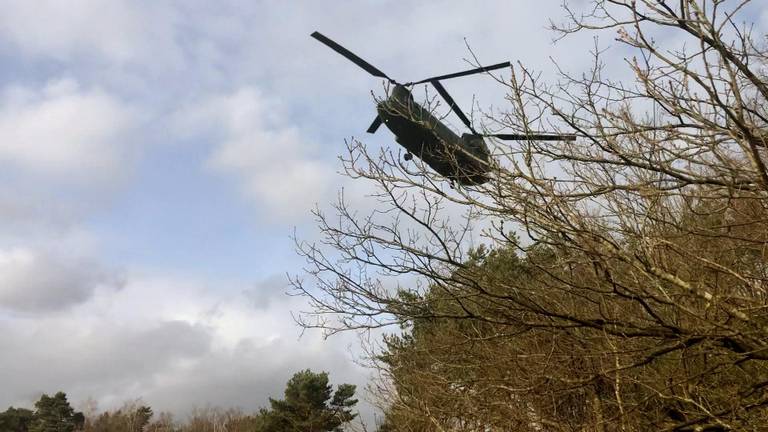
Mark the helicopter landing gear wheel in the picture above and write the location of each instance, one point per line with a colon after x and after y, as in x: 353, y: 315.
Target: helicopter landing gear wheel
x: 408, y: 156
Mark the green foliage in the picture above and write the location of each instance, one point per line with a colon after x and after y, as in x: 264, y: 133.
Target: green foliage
x: 16, y: 420
x: 310, y: 405
x: 54, y: 414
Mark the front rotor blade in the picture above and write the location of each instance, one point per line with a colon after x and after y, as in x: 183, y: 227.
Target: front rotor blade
x: 444, y: 93
x: 349, y: 55
x: 375, y: 125
x: 467, y: 72
x: 533, y: 137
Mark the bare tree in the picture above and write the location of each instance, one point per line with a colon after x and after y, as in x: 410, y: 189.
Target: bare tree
x: 633, y: 296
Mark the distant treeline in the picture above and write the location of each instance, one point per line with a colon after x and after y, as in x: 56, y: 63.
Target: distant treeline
x: 309, y: 404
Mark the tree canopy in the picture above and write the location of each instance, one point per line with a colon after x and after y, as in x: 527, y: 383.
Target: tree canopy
x: 16, y: 419
x: 310, y: 405
x: 54, y: 414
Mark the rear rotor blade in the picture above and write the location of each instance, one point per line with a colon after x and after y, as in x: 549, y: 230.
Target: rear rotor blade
x: 350, y: 56
x: 448, y: 99
x: 466, y: 72
x: 533, y: 137
x: 375, y: 125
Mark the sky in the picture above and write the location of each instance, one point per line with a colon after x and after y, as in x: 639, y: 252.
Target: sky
x: 157, y: 156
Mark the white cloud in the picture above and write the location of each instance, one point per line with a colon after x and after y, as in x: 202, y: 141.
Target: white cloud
x: 119, y: 30
x: 64, y: 130
x: 253, y: 142
x: 173, y: 341
x: 34, y: 281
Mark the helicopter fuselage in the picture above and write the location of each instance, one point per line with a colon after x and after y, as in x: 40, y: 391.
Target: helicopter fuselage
x: 464, y: 159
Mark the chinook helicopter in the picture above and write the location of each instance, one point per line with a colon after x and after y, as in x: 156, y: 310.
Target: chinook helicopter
x: 464, y: 159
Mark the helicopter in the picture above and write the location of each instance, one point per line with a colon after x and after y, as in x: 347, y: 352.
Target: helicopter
x: 464, y: 159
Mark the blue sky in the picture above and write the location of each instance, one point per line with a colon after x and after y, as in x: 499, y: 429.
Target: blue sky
x: 155, y: 158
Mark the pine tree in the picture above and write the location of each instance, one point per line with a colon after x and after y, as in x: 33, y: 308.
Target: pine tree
x: 54, y: 414
x: 15, y: 420
x: 310, y: 405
